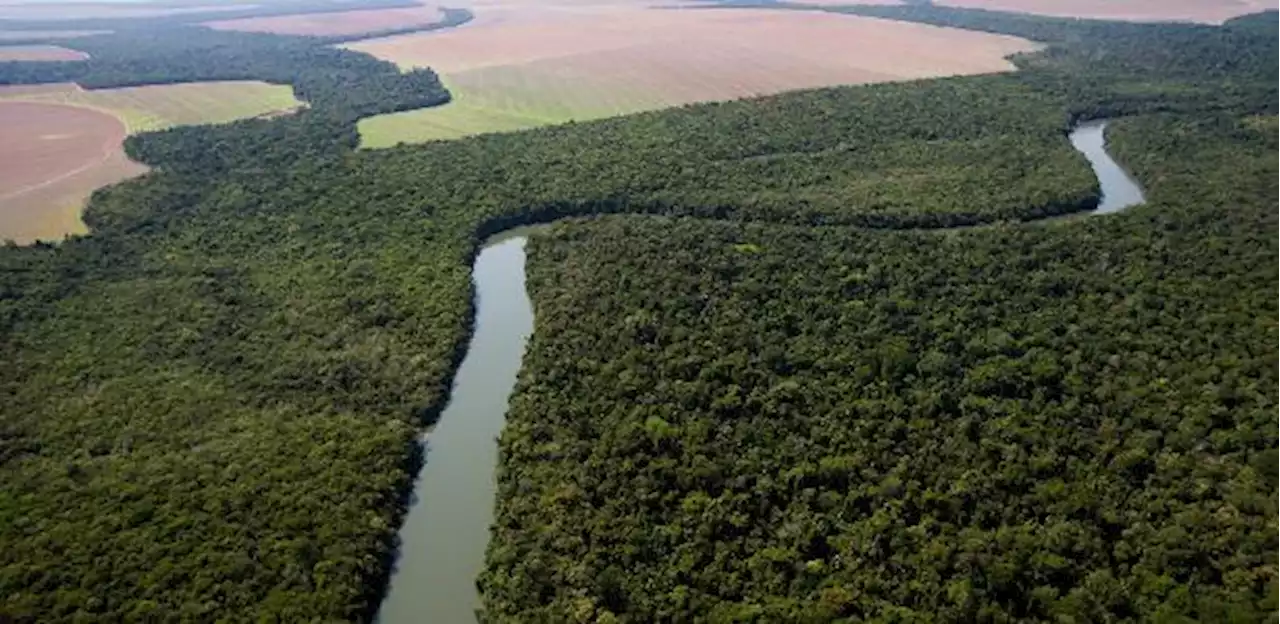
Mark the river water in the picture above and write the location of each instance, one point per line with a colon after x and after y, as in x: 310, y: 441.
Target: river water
x: 1119, y: 190
x: 447, y: 527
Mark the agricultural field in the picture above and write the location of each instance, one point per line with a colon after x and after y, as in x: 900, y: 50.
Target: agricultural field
x: 39, y: 53
x: 845, y: 2
x: 156, y: 107
x: 30, y: 35
x: 1207, y: 11
x: 336, y: 23
x: 55, y: 155
x: 68, y: 142
x: 86, y: 10
x: 522, y: 73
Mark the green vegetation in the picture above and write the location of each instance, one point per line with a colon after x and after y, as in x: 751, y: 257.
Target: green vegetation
x: 519, y: 97
x: 759, y: 423
x: 145, y: 109
x: 478, y: 106
x: 230, y: 332
x: 211, y: 402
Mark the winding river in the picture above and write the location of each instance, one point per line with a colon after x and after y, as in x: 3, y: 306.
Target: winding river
x: 443, y: 539
x: 1119, y: 190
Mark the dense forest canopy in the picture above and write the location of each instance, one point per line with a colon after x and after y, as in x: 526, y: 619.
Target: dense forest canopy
x: 211, y: 402
x: 1073, y: 422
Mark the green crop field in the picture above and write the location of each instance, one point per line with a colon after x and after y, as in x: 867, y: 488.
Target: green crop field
x: 514, y: 76
x: 157, y: 107
x: 504, y: 99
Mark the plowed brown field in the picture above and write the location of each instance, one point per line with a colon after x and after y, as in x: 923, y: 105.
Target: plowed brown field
x: 845, y: 2
x: 55, y: 156
x: 28, y: 35
x: 596, y: 61
x: 26, y: 10
x: 1208, y: 11
x: 40, y: 53
x: 332, y: 24
x: 59, y: 142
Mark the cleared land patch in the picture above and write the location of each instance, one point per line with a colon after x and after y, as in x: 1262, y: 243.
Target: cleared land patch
x: 1208, y: 11
x: 40, y: 53
x: 56, y: 155
x: 520, y: 74
x: 161, y: 106
x: 86, y: 10
x: 62, y: 142
x: 30, y: 35
x: 845, y: 2
x: 331, y: 24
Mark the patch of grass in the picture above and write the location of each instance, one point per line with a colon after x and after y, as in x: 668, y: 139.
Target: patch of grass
x: 519, y: 97
x: 157, y: 107
x: 481, y: 104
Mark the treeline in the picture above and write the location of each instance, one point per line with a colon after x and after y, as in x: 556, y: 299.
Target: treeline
x: 352, y: 83
x: 1071, y: 422
x: 339, y: 87
x: 1114, y: 68
x: 1165, y: 47
x: 449, y: 18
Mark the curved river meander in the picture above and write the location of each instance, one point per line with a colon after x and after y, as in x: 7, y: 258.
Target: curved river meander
x: 445, y: 533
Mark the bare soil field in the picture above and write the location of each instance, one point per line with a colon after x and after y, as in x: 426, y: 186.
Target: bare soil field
x: 600, y: 61
x: 55, y: 156
x: 332, y: 24
x: 61, y: 142
x: 845, y: 2
x: 78, y: 10
x: 162, y: 106
x: 1207, y: 11
x: 40, y: 53
x: 27, y: 35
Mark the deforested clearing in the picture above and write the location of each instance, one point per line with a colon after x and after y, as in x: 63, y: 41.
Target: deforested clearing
x: 846, y: 2
x: 62, y: 142
x: 87, y: 10
x: 519, y: 74
x: 1207, y: 11
x: 39, y: 53
x: 160, y: 106
x: 337, y: 23
x: 56, y: 155
x: 44, y: 35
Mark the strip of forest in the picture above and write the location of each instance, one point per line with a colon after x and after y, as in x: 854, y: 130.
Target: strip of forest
x: 212, y: 401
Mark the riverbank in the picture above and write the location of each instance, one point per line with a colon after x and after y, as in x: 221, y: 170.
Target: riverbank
x: 443, y: 544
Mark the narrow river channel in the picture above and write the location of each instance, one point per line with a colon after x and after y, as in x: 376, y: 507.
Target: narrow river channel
x: 1119, y: 190
x: 445, y: 533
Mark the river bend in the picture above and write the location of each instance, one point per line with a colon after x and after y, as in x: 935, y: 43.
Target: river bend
x: 447, y: 528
